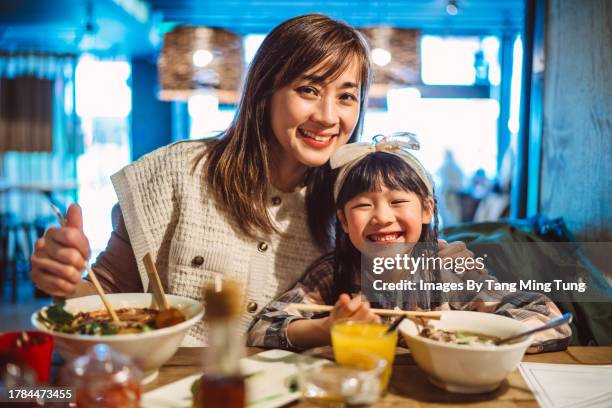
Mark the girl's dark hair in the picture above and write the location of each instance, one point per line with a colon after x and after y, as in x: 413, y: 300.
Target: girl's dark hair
x: 237, y: 166
x: 371, y: 174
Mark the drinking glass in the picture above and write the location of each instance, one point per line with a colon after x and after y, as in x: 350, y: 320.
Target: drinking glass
x: 351, y: 339
x: 326, y: 383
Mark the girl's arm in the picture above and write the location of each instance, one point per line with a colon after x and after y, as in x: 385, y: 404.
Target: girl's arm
x: 308, y: 333
x: 279, y: 326
x: 270, y: 327
x: 316, y: 332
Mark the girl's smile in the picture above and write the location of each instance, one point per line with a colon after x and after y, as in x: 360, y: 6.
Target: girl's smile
x: 387, y: 237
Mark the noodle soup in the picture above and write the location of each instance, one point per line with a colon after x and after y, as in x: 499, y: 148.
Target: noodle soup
x: 462, y: 337
x: 99, y: 322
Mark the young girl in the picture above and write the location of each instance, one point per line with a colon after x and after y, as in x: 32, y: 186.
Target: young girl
x: 383, y: 196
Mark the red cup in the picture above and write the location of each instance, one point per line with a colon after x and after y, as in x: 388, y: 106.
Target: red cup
x: 34, y: 351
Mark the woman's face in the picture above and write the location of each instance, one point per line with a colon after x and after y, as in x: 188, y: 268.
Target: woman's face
x: 311, y: 117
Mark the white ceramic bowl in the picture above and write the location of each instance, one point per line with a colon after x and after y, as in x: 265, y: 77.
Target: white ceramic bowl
x: 150, y: 349
x: 467, y: 369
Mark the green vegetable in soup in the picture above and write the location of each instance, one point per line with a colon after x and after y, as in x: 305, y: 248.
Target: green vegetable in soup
x: 57, y: 316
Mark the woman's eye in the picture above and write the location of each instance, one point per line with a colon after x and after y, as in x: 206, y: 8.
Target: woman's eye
x: 307, y: 90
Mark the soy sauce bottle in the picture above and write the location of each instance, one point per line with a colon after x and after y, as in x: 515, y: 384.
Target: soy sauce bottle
x: 222, y: 384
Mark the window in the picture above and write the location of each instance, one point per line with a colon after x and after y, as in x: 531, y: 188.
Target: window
x: 206, y: 119
x: 103, y: 103
x: 460, y: 60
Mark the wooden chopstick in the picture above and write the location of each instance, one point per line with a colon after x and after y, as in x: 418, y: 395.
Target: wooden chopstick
x: 91, y: 273
x: 156, y: 286
x: 382, y: 312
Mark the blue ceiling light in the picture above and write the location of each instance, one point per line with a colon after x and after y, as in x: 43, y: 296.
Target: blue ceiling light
x: 452, y: 8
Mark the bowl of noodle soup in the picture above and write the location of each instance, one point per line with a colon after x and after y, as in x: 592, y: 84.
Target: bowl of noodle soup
x: 83, y: 322
x: 458, y: 352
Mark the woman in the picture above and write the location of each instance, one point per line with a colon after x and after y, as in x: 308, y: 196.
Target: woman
x: 255, y: 205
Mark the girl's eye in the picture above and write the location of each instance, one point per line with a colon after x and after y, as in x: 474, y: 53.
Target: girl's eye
x: 397, y: 202
x: 348, y: 97
x: 361, y: 205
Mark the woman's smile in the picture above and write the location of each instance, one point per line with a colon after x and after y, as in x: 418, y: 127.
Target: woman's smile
x: 315, y: 139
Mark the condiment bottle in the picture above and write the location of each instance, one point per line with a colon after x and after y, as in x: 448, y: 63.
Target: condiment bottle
x: 103, y: 378
x: 222, y: 384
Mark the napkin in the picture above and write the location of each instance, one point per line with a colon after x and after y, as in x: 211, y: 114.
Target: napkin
x: 569, y: 385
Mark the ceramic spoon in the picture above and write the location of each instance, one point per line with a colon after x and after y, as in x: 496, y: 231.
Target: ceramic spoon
x: 565, y: 319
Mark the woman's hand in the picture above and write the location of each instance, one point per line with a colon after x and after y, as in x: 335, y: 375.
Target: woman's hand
x: 60, y: 256
x: 351, y: 309
x: 456, y: 250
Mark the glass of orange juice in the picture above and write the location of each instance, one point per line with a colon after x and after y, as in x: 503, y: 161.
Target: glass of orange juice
x: 351, y: 339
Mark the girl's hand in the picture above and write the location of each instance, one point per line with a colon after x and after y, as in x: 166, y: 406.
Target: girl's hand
x: 59, y: 257
x: 308, y: 333
x: 351, y: 309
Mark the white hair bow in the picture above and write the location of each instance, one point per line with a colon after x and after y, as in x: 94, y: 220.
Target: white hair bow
x: 396, y: 143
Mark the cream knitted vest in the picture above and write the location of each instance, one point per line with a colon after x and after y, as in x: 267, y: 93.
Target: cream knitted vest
x: 169, y: 213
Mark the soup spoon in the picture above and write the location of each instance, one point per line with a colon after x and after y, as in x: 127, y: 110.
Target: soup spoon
x: 565, y: 319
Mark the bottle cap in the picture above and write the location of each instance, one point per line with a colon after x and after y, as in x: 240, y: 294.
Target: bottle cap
x: 223, y: 301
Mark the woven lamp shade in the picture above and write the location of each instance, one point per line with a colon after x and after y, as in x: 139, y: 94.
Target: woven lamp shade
x: 180, y: 78
x: 404, y: 67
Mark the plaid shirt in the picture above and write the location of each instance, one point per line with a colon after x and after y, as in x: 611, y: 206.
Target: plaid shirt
x: 269, y: 327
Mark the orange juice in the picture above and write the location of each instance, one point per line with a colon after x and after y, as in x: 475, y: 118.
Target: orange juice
x: 351, y: 338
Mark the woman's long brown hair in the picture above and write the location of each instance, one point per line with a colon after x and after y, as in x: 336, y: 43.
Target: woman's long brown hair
x: 236, y: 168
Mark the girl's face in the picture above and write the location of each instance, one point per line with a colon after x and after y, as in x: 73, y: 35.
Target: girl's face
x: 311, y: 117
x: 384, y: 217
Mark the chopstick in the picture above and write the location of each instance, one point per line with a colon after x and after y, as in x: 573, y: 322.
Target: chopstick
x: 91, y: 273
x: 303, y: 307
x: 158, y: 290
x: 395, y: 324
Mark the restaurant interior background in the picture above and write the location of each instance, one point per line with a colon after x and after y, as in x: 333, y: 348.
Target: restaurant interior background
x: 509, y: 98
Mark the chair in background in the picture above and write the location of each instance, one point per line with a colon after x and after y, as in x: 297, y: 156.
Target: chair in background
x: 16, y: 246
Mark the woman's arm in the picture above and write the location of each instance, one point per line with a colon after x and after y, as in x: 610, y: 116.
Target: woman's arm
x: 535, y: 309
x: 531, y: 308
x: 116, y: 267
x: 456, y: 250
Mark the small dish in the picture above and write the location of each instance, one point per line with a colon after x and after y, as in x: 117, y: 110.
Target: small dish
x: 327, y: 383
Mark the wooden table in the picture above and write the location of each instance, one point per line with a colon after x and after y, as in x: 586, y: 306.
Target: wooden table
x: 409, y: 386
